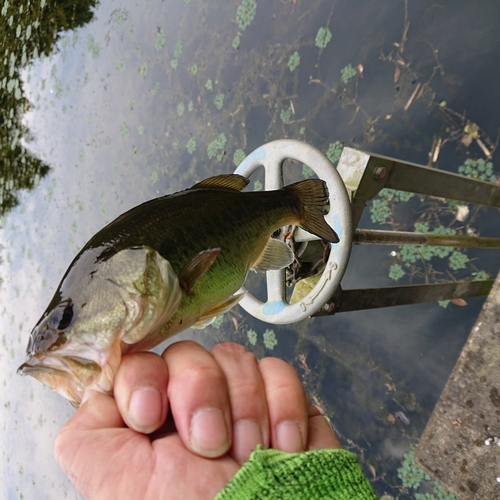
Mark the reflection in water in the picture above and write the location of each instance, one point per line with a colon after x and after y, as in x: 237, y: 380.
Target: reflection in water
x: 127, y: 101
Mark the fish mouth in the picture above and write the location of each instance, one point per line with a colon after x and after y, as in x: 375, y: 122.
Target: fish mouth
x: 67, y: 375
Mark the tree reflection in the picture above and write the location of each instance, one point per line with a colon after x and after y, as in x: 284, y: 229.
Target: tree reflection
x: 29, y: 30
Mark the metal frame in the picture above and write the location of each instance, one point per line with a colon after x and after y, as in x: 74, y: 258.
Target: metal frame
x: 365, y: 175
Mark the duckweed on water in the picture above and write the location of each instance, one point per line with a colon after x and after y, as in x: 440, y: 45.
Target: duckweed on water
x: 160, y: 40
x: 294, y: 61
x: 307, y: 172
x: 143, y: 69
x: 252, y: 336
x: 216, y: 147
x: 191, y: 145
x: 219, y: 101
x: 257, y: 186
x: 218, y: 321
x: 334, y: 151
x: 141, y: 129
x: 245, y: 13
x: 270, y: 340
x: 286, y: 114
x: 209, y: 85
x: 194, y: 69
x: 347, y: 73
x: 477, y: 169
x: 323, y: 36
x: 238, y: 157
x: 180, y: 108
x: 412, y: 477
x: 236, y: 42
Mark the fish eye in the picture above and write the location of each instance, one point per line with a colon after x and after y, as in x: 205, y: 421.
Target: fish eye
x: 60, y: 318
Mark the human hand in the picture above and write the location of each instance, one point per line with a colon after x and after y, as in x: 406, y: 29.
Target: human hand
x: 222, y: 403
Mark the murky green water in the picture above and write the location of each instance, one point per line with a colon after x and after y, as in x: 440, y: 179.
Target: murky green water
x: 110, y: 104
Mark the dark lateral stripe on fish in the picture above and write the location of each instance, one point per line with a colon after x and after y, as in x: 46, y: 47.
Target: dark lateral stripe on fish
x: 313, y: 195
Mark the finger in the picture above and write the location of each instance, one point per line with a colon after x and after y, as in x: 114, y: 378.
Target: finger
x: 286, y: 401
x: 74, y: 442
x: 199, y: 399
x: 247, y: 398
x: 140, y: 391
x: 320, y: 435
x: 89, y: 446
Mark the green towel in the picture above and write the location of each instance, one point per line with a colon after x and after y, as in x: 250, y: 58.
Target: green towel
x: 319, y: 474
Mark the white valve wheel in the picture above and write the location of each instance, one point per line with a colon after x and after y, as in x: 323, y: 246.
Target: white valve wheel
x: 271, y: 156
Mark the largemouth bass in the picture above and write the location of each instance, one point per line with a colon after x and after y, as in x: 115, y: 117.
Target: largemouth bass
x: 163, y: 266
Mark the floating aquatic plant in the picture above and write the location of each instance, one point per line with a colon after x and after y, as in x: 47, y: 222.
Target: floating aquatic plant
x: 178, y: 47
x: 478, y: 169
x: 294, y: 61
x: 191, y: 145
x: 180, y: 108
x: 286, y: 114
x: 323, y: 36
x: 208, y: 85
x: 154, y: 177
x: 270, y: 340
x: 121, y: 65
x: 141, y: 129
x: 257, y: 186
x: 245, y: 13
x: 238, y: 157
x: 236, y: 42
x: 252, y: 336
x: 124, y: 129
x: 194, y: 69
x: 458, y: 260
x: 160, y: 40
x: 396, y: 272
x: 334, y: 151
x: 216, y: 147
x: 412, y: 476
x: 347, y: 73
x: 218, y: 321
x: 143, y: 69
x: 307, y: 171
x: 219, y: 101
x: 93, y: 47
x: 410, y: 473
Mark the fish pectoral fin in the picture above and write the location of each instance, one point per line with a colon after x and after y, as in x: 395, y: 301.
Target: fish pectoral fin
x: 209, y: 315
x: 227, y: 181
x: 276, y: 255
x: 196, y: 268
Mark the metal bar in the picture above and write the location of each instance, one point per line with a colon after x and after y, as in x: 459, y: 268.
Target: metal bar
x: 433, y: 182
x: 373, y: 298
x: 429, y: 239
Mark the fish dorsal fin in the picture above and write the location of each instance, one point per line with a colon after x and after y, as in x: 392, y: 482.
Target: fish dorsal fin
x: 276, y: 255
x: 227, y: 181
x: 209, y: 315
x: 196, y: 268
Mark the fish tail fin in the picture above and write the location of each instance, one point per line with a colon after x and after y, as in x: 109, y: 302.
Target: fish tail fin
x: 313, y: 195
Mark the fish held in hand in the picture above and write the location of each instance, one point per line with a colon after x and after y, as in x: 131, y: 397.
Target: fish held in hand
x: 169, y: 264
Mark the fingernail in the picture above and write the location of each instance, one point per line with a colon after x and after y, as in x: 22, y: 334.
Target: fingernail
x: 247, y: 436
x: 145, y: 409
x: 289, y: 437
x: 209, y: 435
